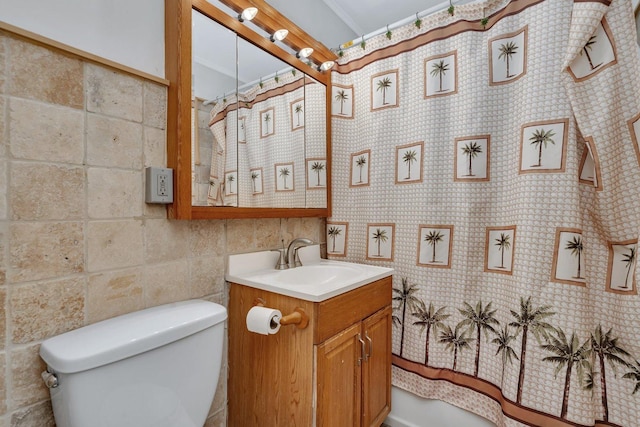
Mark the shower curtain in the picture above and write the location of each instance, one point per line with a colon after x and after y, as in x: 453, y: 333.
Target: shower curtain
x: 268, y: 145
x: 490, y: 155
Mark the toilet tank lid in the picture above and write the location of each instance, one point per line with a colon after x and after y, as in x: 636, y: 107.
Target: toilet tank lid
x: 128, y: 335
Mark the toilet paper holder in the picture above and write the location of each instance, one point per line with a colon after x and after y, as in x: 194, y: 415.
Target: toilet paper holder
x: 298, y: 317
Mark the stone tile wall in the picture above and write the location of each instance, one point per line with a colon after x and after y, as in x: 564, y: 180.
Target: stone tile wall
x: 77, y: 242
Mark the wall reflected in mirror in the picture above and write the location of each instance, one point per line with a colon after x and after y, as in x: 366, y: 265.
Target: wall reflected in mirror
x: 259, y: 126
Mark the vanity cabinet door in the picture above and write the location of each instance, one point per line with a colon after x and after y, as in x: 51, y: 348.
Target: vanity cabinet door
x: 354, y: 374
x: 376, y: 371
x: 339, y: 381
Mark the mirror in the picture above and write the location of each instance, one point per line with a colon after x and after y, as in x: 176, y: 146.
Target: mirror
x: 258, y: 129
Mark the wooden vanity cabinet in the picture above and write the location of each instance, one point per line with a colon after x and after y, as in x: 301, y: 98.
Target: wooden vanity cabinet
x: 335, y: 372
x: 353, y: 382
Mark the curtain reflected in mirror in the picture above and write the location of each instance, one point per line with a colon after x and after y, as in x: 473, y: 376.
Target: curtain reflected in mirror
x: 214, y: 84
x: 315, y: 143
x: 259, y: 126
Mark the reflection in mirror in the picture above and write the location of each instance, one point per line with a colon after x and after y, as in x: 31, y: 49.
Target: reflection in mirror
x: 270, y: 143
x: 258, y: 126
x: 315, y: 143
x: 213, y: 83
x: 203, y: 189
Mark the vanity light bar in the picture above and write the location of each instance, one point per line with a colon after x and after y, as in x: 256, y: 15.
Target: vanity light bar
x: 271, y: 21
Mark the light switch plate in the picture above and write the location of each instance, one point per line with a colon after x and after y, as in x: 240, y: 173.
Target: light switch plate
x: 158, y: 185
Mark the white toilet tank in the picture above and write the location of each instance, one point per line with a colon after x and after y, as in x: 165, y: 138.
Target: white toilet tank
x: 157, y: 367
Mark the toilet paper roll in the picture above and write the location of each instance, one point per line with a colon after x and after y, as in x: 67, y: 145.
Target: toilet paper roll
x: 263, y: 320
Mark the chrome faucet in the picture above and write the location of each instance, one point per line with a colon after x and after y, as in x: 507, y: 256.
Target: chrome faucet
x: 292, y: 251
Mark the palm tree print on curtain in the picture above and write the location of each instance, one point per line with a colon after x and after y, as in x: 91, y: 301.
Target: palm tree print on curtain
x: 567, y: 354
x: 543, y: 147
x: 428, y: 319
x: 361, y: 162
x: 434, y: 247
x: 256, y: 180
x: 587, y: 47
x: 342, y: 105
x: 242, y: 129
x: 503, y: 243
x: 633, y: 374
x: 606, y: 349
x: 455, y: 340
x: 383, y: 86
x: 597, y: 54
x: 284, y: 173
x: 380, y: 238
x: 507, y: 51
x: 231, y: 187
x: 471, y: 150
x: 499, y: 249
x: 333, y: 232
x: 267, y: 122
x: 342, y: 97
x: 568, y: 261
x: 621, y: 267
x: 530, y: 319
x: 360, y: 168
x: 479, y: 319
x: 585, y: 362
x: 440, y: 75
x: 438, y: 70
x: 433, y: 238
x: 317, y: 174
x: 384, y: 90
x: 508, y: 57
x: 284, y: 177
x: 472, y: 158
x: 628, y: 258
x: 297, y: 114
x: 539, y: 140
x: 405, y: 302
x: 406, y: 157
x: 503, y: 340
x: 576, y: 248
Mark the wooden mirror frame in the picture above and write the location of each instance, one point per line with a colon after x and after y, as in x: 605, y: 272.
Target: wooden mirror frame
x: 178, y: 72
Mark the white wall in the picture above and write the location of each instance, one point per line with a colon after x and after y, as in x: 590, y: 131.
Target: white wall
x: 130, y: 32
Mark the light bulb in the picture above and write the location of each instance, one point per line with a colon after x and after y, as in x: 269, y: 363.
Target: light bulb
x: 326, y: 66
x: 305, y: 52
x: 248, y: 14
x: 279, y: 35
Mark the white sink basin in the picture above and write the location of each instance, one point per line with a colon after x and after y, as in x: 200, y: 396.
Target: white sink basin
x: 318, y: 281
x: 311, y: 275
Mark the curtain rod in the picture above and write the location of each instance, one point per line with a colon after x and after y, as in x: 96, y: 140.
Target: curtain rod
x: 250, y: 84
x: 437, y: 8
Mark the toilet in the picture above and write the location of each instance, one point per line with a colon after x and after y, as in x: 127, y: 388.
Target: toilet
x: 157, y: 367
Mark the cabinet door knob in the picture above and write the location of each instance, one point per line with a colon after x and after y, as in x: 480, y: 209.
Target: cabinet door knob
x: 368, y: 356
x: 363, y: 352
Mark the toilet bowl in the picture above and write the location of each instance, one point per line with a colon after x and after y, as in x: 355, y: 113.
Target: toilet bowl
x: 157, y: 367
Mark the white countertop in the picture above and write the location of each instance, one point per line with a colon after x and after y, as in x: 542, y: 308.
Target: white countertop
x: 316, y: 280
